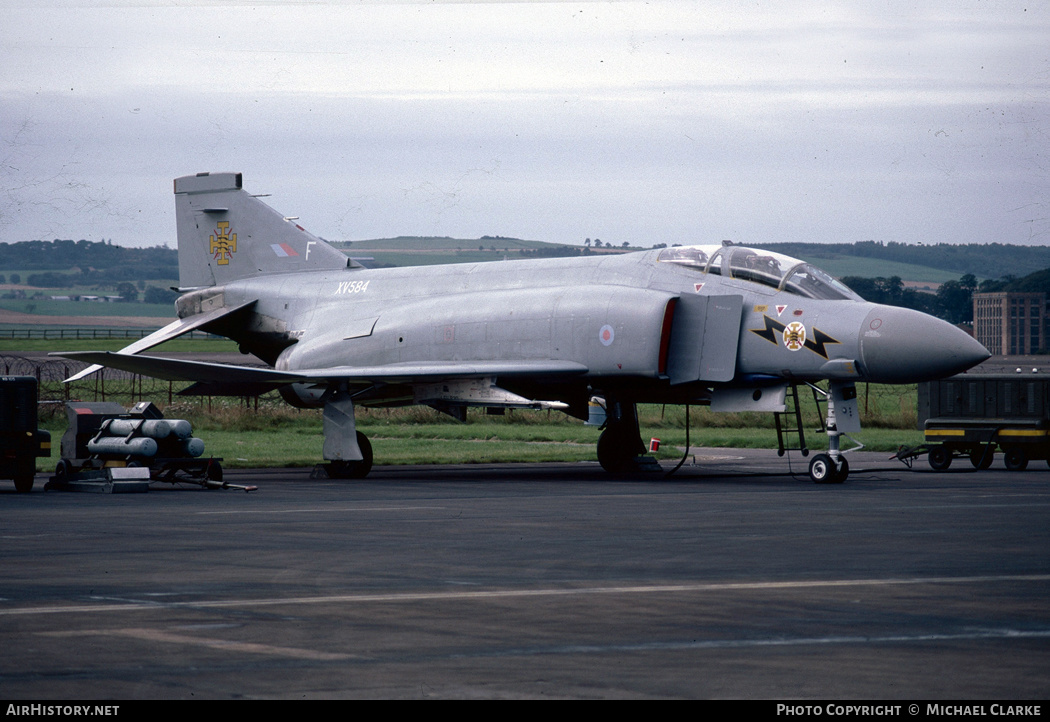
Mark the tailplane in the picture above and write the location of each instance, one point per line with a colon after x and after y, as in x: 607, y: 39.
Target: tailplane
x: 226, y: 234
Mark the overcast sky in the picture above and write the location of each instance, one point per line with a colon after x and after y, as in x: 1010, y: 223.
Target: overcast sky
x: 661, y: 122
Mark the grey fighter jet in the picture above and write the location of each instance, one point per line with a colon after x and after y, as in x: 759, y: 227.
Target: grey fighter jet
x: 724, y: 325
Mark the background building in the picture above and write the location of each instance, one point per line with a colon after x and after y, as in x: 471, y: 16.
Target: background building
x: 1010, y: 323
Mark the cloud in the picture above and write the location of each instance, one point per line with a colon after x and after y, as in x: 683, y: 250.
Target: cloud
x: 628, y: 121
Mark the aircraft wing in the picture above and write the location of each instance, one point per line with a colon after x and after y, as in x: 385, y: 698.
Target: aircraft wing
x: 178, y: 369
x: 207, y: 372
x: 172, y: 330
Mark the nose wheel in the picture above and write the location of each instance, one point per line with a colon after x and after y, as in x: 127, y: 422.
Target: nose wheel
x: 825, y: 470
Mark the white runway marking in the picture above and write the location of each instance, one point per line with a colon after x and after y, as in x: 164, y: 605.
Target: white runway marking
x: 156, y: 635
x: 322, y: 510
x: 464, y: 595
x: 750, y: 643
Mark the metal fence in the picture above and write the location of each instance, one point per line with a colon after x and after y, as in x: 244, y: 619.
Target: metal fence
x: 104, y: 385
x: 90, y: 333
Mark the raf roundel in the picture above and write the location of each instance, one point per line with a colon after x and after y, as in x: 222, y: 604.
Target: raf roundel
x: 606, y: 335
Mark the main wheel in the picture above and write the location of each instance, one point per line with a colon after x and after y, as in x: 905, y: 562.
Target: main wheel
x: 940, y: 457
x: 1015, y: 459
x: 614, y: 452
x: 823, y: 470
x: 354, y: 469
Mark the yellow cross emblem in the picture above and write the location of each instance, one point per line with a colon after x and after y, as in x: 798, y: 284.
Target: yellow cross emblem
x: 223, y: 244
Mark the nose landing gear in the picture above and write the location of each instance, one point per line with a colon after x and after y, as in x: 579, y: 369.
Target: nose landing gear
x: 825, y: 470
x: 842, y: 417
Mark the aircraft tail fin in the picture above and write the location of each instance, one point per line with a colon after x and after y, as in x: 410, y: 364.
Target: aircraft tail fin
x: 226, y: 234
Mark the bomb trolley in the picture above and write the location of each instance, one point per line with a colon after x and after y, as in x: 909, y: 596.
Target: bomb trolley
x: 104, y: 436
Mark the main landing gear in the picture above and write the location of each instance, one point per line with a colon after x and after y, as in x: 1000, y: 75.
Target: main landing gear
x: 353, y: 469
x: 620, y: 447
x: 347, y: 450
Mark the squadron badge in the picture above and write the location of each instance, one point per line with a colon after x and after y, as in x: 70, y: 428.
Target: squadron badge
x: 794, y: 336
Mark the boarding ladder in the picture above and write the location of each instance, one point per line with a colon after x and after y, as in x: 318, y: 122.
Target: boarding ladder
x: 789, y: 421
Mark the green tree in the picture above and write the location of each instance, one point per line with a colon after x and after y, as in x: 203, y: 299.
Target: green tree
x: 159, y: 295
x: 955, y: 299
x: 127, y: 291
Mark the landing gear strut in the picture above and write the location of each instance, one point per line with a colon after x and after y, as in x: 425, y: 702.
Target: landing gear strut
x: 832, y: 467
x: 348, y: 450
x: 620, y: 447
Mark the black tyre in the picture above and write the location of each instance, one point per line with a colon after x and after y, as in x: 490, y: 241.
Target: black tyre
x: 843, y: 472
x: 1015, y: 459
x: 214, y: 471
x: 822, y: 470
x: 940, y: 458
x: 982, y: 457
x: 614, y: 452
x: 354, y: 469
x: 63, y: 471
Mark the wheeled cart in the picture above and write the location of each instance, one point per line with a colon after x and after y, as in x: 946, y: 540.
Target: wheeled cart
x: 103, y: 436
x: 977, y: 415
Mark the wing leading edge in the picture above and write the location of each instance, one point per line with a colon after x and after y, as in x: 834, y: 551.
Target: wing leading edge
x: 207, y: 372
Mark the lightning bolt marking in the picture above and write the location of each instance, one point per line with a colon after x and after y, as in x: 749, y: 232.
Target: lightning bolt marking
x: 819, y: 340
x: 769, y: 332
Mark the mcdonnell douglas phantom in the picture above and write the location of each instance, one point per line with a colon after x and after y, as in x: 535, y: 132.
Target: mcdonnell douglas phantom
x: 728, y: 326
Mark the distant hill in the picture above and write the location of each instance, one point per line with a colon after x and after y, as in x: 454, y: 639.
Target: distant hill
x: 992, y: 260
x: 66, y: 263
x: 88, y: 262
x: 429, y: 251
x: 36, y: 275
x: 933, y: 264
x: 1037, y: 282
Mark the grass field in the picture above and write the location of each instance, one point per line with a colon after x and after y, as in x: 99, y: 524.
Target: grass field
x: 47, y: 307
x: 39, y: 345
x: 876, y: 268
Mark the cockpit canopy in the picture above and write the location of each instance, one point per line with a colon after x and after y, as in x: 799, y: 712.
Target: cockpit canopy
x: 775, y: 270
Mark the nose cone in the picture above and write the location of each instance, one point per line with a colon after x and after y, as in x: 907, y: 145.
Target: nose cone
x: 898, y: 346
